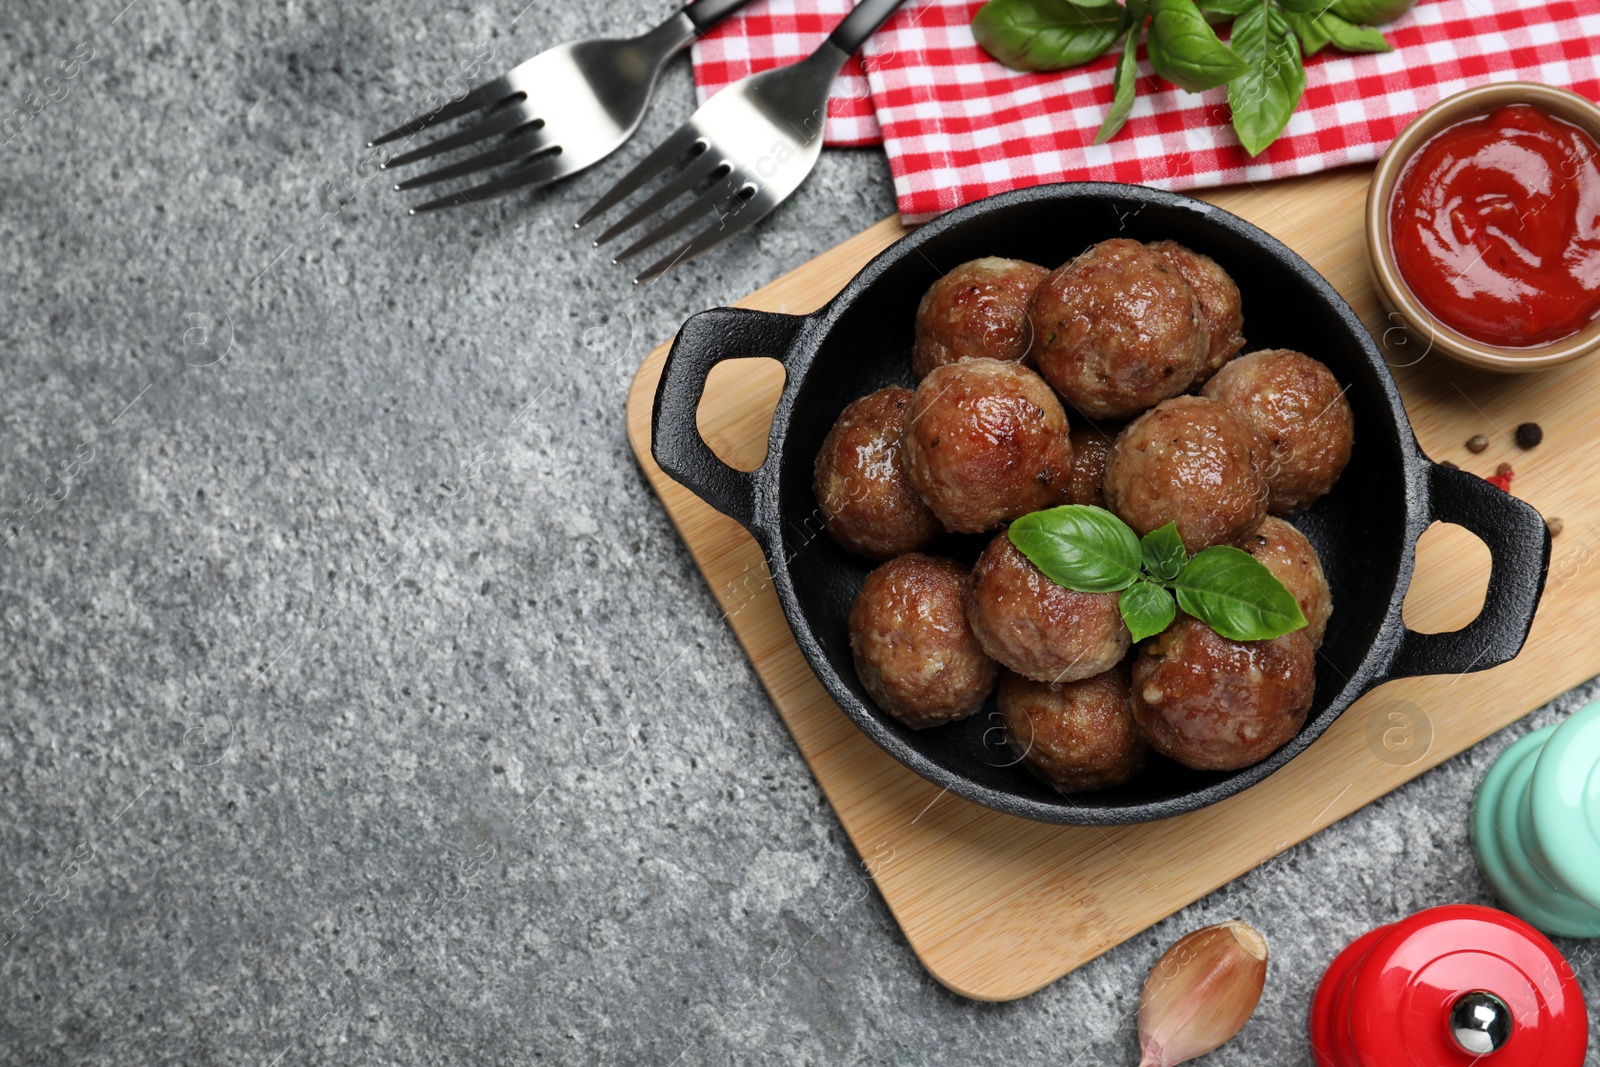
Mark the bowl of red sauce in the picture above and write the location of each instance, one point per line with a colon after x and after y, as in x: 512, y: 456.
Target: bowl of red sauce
x: 1483, y: 227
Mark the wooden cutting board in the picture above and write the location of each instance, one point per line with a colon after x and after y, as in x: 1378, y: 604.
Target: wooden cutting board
x: 996, y: 906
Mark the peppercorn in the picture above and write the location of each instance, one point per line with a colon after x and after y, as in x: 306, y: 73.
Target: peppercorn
x: 1529, y: 434
x: 1477, y: 443
x: 1504, y: 470
x: 1452, y: 466
x: 1501, y: 478
x: 1555, y: 525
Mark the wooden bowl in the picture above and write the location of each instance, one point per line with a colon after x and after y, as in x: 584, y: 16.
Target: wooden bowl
x: 1422, y: 325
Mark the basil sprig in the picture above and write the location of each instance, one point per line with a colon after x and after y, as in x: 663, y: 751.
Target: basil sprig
x: 1091, y: 550
x: 1262, y: 62
x: 1049, y: 34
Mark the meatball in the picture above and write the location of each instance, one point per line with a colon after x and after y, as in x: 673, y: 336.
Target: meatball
x: 1285, y: 552
x: 860, y: 481
x: 978, y: 310
x: 1091, y: 447
x: 914, y: 652
x: 1220, y: 308
x: 1039, y: 629
x: 1218, y: 705
x: 1300, y: 418
x: 1117, y: 330
x: 1077, y: 736
x: 986, y: 442
x: 1187, y: 460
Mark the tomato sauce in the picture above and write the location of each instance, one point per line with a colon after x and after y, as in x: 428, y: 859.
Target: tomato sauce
x: 1495, y: 226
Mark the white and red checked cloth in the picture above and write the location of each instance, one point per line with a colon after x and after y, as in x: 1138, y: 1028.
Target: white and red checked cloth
x: 958, y: 126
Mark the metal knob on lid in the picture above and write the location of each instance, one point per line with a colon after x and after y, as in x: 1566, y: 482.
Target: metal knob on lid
x: 1448, y: 987
x: 1480, y: 1022
x: 1536, y: 826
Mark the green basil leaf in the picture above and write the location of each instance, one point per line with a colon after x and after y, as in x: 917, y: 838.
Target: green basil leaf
x: 1301, y: 7
x: 1348, y: 37
x: 1313, y: 38
x: 1125, y: 83
x: 1184, y: 49
x: 1048, y: 34
x: 1371, y: 12
x: 1163, y: 551
x: 1081, y: 547
x: 1146, y: 608
x: 1234, y: 594
x: 1265, y: 96
x: 1225, y: 7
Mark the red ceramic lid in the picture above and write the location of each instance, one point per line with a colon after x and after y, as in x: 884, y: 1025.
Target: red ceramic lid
x: 1401, y: 994
x: 1330, y: 1010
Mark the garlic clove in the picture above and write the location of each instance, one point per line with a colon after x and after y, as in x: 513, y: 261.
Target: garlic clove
x: 1201, y: 992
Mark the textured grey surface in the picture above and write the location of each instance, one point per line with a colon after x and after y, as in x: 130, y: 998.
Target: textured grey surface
x: 361, y: 704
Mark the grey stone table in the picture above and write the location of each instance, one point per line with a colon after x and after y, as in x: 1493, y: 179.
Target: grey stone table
x: 361, y: 705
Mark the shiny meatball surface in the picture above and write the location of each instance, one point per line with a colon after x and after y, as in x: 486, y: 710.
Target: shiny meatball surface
x: 978, y: 310
x: 1285, y: 552
x: 1078, y: 736
x: 985, y: 442
x: 1039, y: 629
x: 1303, y: 427
x: 860, y: 482
x: 1219, y: 705
x: 1220, y: 305
x: 1117, y: 330
x: 1187, y: 460
x: 1091, y: 448
x: 914, y: 652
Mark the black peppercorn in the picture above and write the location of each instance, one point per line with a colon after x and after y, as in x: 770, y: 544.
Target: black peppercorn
x: 1529, y: 434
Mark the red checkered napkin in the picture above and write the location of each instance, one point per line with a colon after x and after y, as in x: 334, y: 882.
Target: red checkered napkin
x: 772, y: 33
x: 957, y: 126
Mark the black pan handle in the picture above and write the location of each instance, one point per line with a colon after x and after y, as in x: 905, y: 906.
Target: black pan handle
x: 1519, y: 551
x: 704, y: 341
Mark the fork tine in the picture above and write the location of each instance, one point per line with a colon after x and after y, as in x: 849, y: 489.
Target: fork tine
x: 482, y: 96
x: 707, y: 239
x: 541, y: 171
x: 516, y: 147
x: 698, y: 207
x: 501, y: 121
x: 667, y: 152
x: 704, y: 165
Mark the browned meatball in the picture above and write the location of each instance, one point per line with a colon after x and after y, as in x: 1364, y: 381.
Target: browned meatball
x: 979, y: 310
x: 1091, y: 448
x: 1219, y: 302
x: 1077, y: 736
x: 1285, y: 552
x: 860, y: 481
x: 1039, y: 629
x: 986, y: 442
x: 1218, y: 705
x: 1117, y: 330
x: 914, y: 652
x: 1302, y: 422
x: 1187, y: 460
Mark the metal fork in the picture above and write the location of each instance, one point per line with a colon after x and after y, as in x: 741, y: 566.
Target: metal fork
x: 742, y: 153
x: 565, y: 109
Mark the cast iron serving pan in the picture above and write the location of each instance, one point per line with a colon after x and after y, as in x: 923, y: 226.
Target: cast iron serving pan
x: 1366, y: 529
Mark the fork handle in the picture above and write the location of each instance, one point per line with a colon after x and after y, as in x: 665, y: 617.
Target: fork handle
x: 707, y: 13
x: 860, y: 24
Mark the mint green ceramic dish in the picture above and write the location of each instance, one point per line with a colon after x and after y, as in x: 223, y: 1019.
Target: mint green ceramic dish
x: 1535, y: 823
